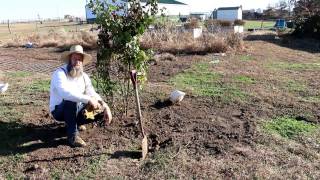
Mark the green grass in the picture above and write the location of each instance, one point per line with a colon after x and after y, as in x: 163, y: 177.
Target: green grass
x: 311, y: 99
x: 246, y: 58
x: 295, y: 66
x: 19, y: 74
x: 289, y: 128
x: 9, y: 165
x: 92, y: 168
x: 159, y: 162
x: 244, y: 79
x: 9, y: 114
x: 55, y: 174
x: 90, y: 171
x: 257, y: 24
x: 39, y: 86
x: 202, y: 81
x: 295, y: 86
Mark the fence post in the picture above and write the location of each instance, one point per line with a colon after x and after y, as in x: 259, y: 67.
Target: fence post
x: 36, y: 25
x: 9, y: 26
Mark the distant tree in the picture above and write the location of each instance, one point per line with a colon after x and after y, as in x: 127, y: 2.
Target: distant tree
x: 306, y: 8
x: 290, y: 6
x: 283, y: 8
x: 283, y: 5
x: 270, y: 12
x: 307, y: 18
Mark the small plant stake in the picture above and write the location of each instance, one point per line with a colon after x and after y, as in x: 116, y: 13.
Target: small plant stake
x: 144, y: 144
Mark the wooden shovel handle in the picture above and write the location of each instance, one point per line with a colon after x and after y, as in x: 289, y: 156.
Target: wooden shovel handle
x: 133, y: 75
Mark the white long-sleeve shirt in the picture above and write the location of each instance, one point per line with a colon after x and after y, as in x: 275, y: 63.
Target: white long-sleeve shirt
x: 64, y: 87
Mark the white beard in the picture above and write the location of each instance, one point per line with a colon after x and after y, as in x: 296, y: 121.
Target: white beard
x: 75, y: 71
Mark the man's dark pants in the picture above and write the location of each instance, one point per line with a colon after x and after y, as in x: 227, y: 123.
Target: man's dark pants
x: 72, y: 114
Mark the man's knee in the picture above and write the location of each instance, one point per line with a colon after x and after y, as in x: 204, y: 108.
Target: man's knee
x: 70, y: 104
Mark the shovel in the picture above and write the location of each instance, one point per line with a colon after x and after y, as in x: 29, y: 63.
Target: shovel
x: 144, y: 144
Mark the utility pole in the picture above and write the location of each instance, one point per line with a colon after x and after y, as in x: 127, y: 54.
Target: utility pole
x: 9, y: 26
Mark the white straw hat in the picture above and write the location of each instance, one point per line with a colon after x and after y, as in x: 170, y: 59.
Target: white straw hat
x: 65, y: 57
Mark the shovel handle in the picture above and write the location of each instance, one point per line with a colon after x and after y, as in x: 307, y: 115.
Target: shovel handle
x: 133, y: 75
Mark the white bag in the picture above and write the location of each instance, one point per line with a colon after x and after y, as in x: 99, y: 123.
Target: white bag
x: 176, y: 96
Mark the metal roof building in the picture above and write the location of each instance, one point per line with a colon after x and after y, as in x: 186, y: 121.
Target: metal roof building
x: 171, y: 8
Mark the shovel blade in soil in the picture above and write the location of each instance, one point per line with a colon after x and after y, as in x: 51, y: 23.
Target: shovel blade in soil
x: 144, y: 147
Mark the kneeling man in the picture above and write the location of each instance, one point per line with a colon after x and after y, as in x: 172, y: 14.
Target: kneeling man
x: 72, y: 93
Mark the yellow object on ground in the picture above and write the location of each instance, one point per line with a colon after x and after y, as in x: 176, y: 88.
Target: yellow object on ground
x: 90, y: 113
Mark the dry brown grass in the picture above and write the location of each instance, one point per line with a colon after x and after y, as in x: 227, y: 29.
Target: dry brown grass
x: 182, y: 42
x: 193, y: 23
x: 162, y: 40
x: 56, y: 38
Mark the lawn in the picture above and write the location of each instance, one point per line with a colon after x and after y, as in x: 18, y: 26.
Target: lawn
x: 258, y: 24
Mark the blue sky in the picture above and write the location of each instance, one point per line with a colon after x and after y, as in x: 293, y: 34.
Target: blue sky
x: 29, y: 9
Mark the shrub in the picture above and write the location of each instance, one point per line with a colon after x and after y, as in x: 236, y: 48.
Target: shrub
x: 307, y: 18
x: 225, y: 23
x: 211, y: 22
x: 183, y: 42
x: 57, y: 38
x: 239, y: 22
x: 308, y: 27
x: 192, y: 24
x: 235, y: 40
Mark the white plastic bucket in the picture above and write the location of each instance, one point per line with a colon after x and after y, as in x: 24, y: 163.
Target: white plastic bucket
x: 176, y: 96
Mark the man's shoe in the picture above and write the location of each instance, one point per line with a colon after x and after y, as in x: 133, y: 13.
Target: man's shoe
x: 76, y: 141
x: 82, y: 128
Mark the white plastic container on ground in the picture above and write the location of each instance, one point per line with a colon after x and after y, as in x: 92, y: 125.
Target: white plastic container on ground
x: 176, y: 96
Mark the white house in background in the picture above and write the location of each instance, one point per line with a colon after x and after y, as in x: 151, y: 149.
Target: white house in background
x: 170, y: 7
x: 229, y: 13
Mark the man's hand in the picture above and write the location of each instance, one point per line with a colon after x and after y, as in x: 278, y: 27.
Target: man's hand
x: 94, y: 103
x: 107, y: 116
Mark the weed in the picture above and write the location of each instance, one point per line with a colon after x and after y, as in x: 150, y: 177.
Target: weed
x: 289, y: 128
x: 244, y: 79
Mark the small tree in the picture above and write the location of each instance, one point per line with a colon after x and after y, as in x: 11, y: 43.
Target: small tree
x: 121, y: 24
